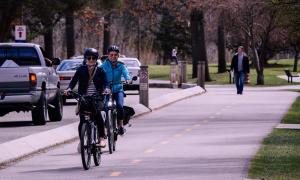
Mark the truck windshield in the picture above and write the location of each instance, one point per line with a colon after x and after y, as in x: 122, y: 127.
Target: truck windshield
x: 23, y: 56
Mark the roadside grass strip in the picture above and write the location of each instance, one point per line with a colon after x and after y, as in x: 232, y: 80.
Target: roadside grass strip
x: 278, y: 158
x: 293, y: 115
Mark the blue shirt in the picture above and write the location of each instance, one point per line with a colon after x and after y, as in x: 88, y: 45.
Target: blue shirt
x: 114, y: 75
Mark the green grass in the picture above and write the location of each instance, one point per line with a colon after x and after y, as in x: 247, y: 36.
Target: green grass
x: 278, y: 157
x: 293, y: 115
x: 274, y: 68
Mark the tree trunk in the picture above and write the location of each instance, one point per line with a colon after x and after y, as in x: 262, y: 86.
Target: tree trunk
x: 195, y: 40
x: 106, y: 33
x: 198, y: 42
x: 70, y: 34
x: 48, y: 42
x: 221, y: 46
x: 296, y: 57
x: 258, y: 66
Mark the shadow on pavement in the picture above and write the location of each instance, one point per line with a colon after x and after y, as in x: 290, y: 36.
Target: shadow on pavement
x: 69, y: 169
x: 15, y: 124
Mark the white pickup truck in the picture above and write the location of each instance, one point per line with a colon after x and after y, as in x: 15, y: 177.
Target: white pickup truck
x: 28, y: 82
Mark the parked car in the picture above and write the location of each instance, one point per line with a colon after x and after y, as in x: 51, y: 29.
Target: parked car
x: 133, y: 66
x: 28, y: 82
x: 66, y: 71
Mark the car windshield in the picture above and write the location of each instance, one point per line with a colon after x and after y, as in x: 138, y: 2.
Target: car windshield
x: 131, y: 63
x: 69, y: 65
x: 22, y: 56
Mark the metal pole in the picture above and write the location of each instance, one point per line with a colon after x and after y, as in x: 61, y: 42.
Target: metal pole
x: 173, y: 72
x: 201, y: 74
x: 182, y: 73
x: 144, y: 86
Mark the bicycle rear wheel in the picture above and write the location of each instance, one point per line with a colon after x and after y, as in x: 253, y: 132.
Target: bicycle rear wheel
x: 110, y: 132
x: 96, y: 149
x: 85, y: 145
x: 114, y: 124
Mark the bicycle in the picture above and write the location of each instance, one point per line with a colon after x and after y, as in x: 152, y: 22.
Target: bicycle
x: 89, y: 131
x: 111, y: 123
x: 111, y: 120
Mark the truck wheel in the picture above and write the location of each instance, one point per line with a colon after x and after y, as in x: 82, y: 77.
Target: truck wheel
x: 56, y: 113
x: 39, y: 113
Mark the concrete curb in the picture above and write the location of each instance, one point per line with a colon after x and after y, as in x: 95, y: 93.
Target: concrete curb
x: 22, y: 147
x: 288, y: 126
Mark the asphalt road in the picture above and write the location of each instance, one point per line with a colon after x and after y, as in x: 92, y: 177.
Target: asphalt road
x: 15, y: 125
x: 211, y: 137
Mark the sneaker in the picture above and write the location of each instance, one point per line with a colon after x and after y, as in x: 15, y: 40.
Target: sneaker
x: 79, y: 148
x: 121, y: 131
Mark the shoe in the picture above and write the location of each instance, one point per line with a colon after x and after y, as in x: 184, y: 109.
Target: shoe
x: 121, y: 131
x: 79, y: 147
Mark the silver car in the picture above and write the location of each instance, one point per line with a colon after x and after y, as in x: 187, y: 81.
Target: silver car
x: 133, y: 66
x: 66, y: 71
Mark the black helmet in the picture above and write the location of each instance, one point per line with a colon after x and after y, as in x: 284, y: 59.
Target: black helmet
x: 113, y: 48
x: 91, y: 52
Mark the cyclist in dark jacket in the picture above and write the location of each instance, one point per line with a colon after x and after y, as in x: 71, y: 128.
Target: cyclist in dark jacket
x: 90, y: 70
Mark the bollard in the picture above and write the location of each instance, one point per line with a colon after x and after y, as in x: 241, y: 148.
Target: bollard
x: 144, y: 86
x: 173, y: 72
x: 201, y: 74
x: 182, y: 73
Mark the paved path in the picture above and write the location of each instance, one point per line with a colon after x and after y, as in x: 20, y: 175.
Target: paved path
x: 211, y: 137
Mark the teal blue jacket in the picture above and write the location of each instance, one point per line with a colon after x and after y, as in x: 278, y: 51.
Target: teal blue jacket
x: 113, y: 75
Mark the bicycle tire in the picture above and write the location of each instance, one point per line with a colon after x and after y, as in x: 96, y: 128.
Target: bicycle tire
x: 85, y: 145
x: 114, y: 123
x: 96, y: 149
x: 110, y: 132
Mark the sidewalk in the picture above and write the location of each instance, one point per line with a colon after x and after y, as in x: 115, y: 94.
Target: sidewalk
x: 295, y: 79
x: 288, y: 126
x: 25, y: 146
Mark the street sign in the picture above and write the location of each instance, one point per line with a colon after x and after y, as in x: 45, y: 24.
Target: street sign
x: 20, y: 33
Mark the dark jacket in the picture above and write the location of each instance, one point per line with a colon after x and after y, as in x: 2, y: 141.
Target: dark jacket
x: 82, y: 77
x: 234, y: 63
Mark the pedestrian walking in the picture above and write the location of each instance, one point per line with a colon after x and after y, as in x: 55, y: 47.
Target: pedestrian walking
x: 240, y: 66
x: 174, y: 55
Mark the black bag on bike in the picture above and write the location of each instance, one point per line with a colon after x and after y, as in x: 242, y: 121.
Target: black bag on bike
x: 128, y: 112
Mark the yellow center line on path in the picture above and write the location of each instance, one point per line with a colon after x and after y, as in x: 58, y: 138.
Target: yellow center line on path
x: 218, y: 113
x: 196, y: 125
x: 205, y: 121
x: 188, y: 129
x: 212, y: 117
x: 164, y: 142
x: 148, y: 151
x: 115, y: 174
x: 136, y: 161
x: 177, y: 135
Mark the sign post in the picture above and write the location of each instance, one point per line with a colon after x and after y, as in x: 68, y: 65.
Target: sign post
x: 20, y: 33
x: 144, y: 86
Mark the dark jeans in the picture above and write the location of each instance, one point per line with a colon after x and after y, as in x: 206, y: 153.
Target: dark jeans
x: 119, y: 98
x: 239, y: 78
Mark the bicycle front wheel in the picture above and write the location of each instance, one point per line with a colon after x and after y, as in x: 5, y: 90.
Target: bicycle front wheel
x: 110, y: 132
x: 85, y: 145
x: 97, y: 149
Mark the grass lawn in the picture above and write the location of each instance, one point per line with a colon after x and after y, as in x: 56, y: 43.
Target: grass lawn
x: 279, y: 155
x: 274, y: 68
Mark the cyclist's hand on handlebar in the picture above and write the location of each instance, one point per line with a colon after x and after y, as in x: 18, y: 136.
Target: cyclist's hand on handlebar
x: 129, y: 82
x: 67, y: 92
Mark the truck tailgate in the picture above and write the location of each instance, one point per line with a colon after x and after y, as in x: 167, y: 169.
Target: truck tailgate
x: 14, y: 79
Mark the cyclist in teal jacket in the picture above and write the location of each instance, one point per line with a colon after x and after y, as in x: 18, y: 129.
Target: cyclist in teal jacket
x: 114, y: 70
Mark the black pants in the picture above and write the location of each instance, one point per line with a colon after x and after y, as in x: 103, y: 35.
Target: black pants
x: 99, y: 123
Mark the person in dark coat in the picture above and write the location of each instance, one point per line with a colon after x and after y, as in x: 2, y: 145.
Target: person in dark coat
x: 240, y: 66
x: 91, y: 80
